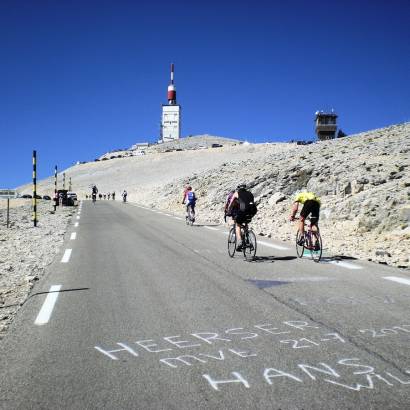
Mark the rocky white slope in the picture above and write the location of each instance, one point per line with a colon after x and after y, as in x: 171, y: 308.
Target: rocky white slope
x: 364, y: 182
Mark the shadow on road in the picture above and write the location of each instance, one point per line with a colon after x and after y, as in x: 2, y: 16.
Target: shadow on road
x: 273, y: 258
x: 337, y: 258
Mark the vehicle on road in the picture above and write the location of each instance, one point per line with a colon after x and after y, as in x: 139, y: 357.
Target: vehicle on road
x: 47, y: 197
x: 310, y: 241
x: 249, y: 244
x: 26, y: 196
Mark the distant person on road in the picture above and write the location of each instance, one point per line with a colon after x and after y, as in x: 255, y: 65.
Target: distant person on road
x: 243, y: 209
x: 100, y: 196
x: 105, y: 196
x: 113, y: 196
x: 311, y: 206
x: 108, y: 195
x: 124, y: 196
x: 190, y: 201
x: 94, y: 191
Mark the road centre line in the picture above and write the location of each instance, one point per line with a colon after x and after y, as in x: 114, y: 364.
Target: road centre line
x: 66, y: 256
x: 47, y: 309
x: 73, y: 236
x: 345, y: 265
x: 398, y: 279
x: 76, y: 224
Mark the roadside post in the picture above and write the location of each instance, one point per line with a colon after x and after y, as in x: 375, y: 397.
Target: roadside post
x: 63, y: 180
x: 35, y: 188
x: 69, y: 184
x: 55, y: 188
x: 8, y: 211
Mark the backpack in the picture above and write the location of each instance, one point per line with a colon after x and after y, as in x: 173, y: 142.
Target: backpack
x: 247, y: 203
x: 191, y: 198
x: 228, y: 201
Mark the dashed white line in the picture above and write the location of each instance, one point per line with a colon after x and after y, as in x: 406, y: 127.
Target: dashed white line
x: 66, y: 256
x: 345, y: 265
x: 398, y: 279
x: 78, y: 217
x: 76, y: 224
x: 73, y: 236
x: 47, y: 309
x: 271, y: 245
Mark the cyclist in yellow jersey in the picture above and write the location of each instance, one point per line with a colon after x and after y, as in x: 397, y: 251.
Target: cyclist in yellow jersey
x: 311, y: 206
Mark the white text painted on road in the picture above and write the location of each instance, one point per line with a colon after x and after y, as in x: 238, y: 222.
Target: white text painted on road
x: 45, y: 312
x: 66, y: 256
x: 73, y: 236
x: 76, y: 224
x: 78, y: 217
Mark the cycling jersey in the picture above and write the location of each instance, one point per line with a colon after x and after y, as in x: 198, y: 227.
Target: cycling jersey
x: 302, y: 197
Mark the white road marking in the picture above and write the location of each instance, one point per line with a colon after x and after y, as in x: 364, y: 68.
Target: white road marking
x: 177, y: 217
x: 76, y: 224
x: 397, y: 279
x: 73, y: 236
x: 211, y: 228
x: 66, y: 256
x: 306, y: 279
x: 345, y: 265
x: 78, y: 217
x: 47, y: 309
x: 271, y: 245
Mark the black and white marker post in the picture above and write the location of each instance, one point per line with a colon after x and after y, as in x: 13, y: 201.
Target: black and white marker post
x: 35, y: 188
x: 55, y: 188
x: 63, y: 180
x: 69, y: 184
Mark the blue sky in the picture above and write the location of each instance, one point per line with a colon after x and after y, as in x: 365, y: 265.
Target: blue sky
x: 79, y: 78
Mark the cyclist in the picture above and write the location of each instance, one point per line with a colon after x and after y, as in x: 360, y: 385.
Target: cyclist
x: 190, y: 201
x: 94, y: 192
x: 113, y: 196
x: 311, y: 206
x: 124, y: 196
x: 242, y: 208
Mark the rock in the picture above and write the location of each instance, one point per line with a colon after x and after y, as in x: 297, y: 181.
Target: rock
x: 276, y: 198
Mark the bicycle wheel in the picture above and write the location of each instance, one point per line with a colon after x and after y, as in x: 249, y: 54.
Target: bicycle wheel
x: 191, y: 216
x: 249, y: 245
x: 232, y: 242
x: 316, y: 251
x: 299, y: 248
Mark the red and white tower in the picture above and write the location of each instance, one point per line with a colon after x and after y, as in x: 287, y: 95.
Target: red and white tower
x: 171, y: 114
x: 172, y: 91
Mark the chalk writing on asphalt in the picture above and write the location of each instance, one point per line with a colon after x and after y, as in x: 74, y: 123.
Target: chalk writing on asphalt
x: 264, y: 344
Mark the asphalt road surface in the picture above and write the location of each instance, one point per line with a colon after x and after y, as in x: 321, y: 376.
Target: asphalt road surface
x: 146, y: 312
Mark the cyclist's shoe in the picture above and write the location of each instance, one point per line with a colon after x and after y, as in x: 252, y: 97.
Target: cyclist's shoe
x: 239, y: 247
x: 301, y: 241
x: 316, y: 247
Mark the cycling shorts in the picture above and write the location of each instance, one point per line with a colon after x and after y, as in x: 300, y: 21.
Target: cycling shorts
x: 241, y: 217
x: 312, y: 208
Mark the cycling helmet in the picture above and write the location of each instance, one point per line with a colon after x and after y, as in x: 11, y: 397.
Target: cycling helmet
x: 189, y: 188
x: 241, y: 186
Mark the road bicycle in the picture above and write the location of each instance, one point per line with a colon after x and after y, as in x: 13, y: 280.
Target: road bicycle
x: 310, y: 240
x: 248, y: 242
x: 190, y: 217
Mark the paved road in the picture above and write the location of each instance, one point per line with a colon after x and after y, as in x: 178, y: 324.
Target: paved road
x: 148, y: 313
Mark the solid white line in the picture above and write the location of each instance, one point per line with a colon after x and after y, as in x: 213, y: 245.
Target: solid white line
x: 76, y: 224
x: 73, y: 236
x: 78, y: 217
x: 47, y: 309
x: 271, y: 245
x: 66, y: 256
x: 397, y: 279
x: 345, y: 265
x: 211, y: 228
x: 177, y: 217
